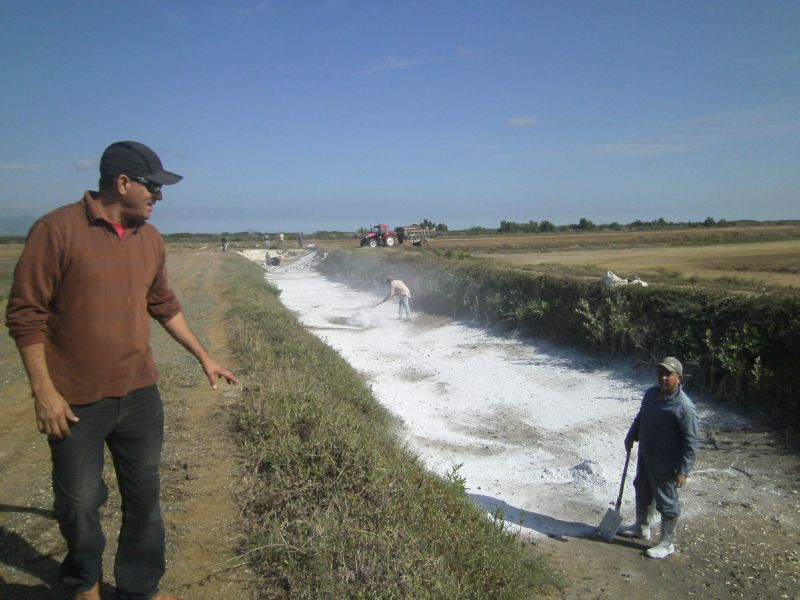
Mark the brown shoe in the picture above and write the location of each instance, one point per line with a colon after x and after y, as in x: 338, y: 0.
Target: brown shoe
x: 91, y: 594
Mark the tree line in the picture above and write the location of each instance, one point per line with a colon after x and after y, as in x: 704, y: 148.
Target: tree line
x: 585, y: 224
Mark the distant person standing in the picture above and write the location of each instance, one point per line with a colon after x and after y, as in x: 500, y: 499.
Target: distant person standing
x: 280, y: 237
x: 91, y: 275
x: 399, y: 289
x: 666, y: 429
x: 300, y: 239
x: 224, y: 244
x: 266, y: 241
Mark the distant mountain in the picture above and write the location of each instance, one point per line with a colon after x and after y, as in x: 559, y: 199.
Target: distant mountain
x: 16, y: 225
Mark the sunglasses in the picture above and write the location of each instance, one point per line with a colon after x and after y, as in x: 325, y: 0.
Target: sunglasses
x: 151, y: 186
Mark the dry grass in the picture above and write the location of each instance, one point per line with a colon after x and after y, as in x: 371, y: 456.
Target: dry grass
x: 9, y: 254
x: 692, y: 236
x: 755, y: 264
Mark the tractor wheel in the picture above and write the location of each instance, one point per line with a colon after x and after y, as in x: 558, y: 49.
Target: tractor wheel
x: 373, y: 243
x: 390, y: 239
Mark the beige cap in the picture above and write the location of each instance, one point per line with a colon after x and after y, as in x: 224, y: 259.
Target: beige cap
x: 672, y: 364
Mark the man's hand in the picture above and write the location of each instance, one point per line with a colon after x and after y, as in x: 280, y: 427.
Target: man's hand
x: 680, y: 480
x: 53, y: 414
x: 214, y: 372
x: 628, y: 445
x: 178, y: 328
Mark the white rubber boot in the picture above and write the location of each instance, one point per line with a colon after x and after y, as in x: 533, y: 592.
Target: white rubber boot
x: 667, y: 544
x: 644, y: 520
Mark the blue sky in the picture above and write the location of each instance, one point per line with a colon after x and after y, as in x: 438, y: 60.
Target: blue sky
x: 336, y: 114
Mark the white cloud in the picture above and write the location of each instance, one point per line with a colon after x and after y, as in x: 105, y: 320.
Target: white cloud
x: 247, y: 10
x: 468, y: 54
x: 221, y: 12
x: 790, y: 60
x: 390, y: 63
x: 523, y: 121
x: 633, y: 149
x: 769, y: 119
x: 685, y: 135
x: 84, y: 164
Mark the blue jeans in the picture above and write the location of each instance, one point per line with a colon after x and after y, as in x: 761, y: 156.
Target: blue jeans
x: 402, y: 306
x: 133, y: 429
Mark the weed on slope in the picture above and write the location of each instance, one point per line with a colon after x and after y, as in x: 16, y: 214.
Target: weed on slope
x: 335, y: 507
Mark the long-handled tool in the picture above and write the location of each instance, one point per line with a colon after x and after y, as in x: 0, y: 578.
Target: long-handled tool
x: 613, y: 519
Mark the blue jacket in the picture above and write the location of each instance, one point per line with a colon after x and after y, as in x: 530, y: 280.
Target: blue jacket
x: 666, y: 430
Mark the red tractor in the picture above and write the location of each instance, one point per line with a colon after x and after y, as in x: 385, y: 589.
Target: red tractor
x: 379, y: 235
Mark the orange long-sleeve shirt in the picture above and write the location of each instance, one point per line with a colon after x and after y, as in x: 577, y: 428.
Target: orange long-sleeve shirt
x: 86, y: 294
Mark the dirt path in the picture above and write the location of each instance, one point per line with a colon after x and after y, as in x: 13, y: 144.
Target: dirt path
x: 748, y: 547
x: 200, y: 471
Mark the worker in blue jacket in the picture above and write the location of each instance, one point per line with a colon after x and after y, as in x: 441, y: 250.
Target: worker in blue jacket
x: 666, y: 429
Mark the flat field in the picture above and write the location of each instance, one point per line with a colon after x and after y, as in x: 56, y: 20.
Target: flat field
x: 747, y: 264
x: 607, y: 239
x: 9, y: 254
x: 747, y: 258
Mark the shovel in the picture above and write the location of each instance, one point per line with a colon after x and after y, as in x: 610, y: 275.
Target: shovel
x: 613, y: 519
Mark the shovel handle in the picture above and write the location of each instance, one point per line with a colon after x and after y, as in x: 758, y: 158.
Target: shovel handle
x: 622, y: 483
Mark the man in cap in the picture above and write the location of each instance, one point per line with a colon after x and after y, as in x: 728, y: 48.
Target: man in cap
x: 90, y: 274
x: 666, y: 429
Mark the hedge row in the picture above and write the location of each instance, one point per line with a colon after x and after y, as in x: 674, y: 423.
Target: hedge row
x: 742, y: 349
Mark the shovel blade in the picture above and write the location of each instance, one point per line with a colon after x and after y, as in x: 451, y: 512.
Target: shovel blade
x: 610, y: 524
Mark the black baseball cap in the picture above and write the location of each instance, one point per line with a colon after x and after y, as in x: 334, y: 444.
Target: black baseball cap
x: 136, y: 160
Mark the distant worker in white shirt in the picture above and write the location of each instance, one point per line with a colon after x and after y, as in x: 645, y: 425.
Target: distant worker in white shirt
x: 399, y: 289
